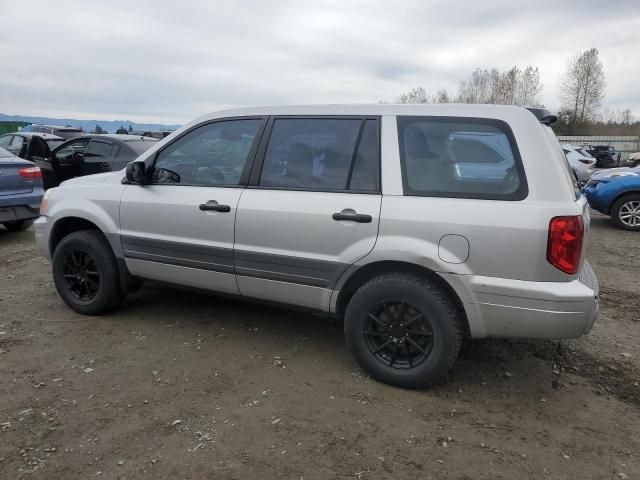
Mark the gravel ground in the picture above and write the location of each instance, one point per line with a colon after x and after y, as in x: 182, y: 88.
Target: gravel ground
x: 184, y: 385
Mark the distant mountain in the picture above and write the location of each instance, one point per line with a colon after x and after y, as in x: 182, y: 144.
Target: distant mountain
x: 89, y: 125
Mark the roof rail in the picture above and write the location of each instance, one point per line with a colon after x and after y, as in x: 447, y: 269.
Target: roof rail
x: 544, y: 115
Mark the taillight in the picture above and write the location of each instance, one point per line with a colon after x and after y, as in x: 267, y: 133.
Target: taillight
x: 564, y: 246
x: 30, y: 172
x: 586, y: 161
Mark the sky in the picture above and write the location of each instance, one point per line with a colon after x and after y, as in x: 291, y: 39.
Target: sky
x: 169, y: 62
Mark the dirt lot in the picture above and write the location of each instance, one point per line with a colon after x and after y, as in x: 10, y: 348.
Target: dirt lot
x: 182, y: 385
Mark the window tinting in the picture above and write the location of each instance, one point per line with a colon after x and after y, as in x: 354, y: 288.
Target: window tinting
x: 98, y: 150
x: 65, y: 154
x: 310, y: 153
x: 214, y: 154
x: 458, y: 157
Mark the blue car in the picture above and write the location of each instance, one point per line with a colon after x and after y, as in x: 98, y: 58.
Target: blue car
x: 617, y: 193
x: 20, y: 191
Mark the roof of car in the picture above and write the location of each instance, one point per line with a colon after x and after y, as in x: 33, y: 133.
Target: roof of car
x: 116, y: 136
x: 46, y: 136
x: 57, y: 127
x: 440, y: 109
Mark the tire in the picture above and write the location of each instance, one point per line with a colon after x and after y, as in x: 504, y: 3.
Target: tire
x: 626, y: 211
x: 18, y: 225
x: 95, y: 288
x: 422, y: 305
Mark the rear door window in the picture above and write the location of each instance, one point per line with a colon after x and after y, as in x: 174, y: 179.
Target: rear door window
x: 322, y: 154
x: 98, y: 151
x: 460, y: 157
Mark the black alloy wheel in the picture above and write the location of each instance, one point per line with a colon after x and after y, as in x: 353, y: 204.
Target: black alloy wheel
x: 82, y: 275
x: 398, y: 334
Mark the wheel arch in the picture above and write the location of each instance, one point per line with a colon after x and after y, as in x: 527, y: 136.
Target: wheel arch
x: 67, y: 225
x: 619, y: 196
x: 363, y: 274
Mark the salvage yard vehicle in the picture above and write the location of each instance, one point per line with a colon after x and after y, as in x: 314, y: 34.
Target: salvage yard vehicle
x: 59, y: 131
x: 581, y: 161
x: 418, y: 224
x: 30, y: 145
x: 20, y: 191
x: 89, y: 154
x: 617, y: 193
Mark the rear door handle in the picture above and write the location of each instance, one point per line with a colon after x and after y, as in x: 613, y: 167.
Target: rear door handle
x: 212, y: 205
x: 352, y: 217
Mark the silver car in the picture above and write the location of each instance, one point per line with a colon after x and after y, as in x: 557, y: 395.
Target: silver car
x: 419, y: 225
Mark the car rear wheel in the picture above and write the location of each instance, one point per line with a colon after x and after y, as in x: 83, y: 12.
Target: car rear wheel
x: 403, y: 330
x: 18, y: 225
x: 85, y: 273
x: 625, y: 212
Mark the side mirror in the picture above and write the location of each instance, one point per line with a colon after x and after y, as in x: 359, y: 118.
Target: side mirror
x: 135, y: 173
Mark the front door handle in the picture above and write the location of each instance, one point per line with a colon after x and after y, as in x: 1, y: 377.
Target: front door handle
x: 212, y: 205
x: 352, y: 217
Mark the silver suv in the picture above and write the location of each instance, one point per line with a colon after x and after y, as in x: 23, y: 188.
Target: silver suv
x: 419, y: 225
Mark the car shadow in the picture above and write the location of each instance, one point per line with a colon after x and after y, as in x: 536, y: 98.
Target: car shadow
x: 517, y: 366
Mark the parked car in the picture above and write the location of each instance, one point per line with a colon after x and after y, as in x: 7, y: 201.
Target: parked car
x: 633, y: 159
x: 581, y: 162
x: 20, y: 191
x: 370, y: 213
x: 617, y: 194
x: 30, y: 145
x: 89, y: 154
x: 63, y: 132
x: 604, y: 155
x: 145, y: 133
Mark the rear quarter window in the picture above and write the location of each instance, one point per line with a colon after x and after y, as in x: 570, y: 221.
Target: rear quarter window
x: 460, y: 158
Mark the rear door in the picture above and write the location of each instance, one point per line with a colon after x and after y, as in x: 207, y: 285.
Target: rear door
x: 180, y: 227
x: 312, y: 208
x: 66, y: 159
x: 98, y: 158
x: 37, y: 150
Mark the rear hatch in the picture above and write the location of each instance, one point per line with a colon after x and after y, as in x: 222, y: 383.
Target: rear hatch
x: 11, y: 182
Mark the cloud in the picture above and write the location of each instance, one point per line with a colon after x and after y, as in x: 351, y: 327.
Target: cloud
x: 172, y: 61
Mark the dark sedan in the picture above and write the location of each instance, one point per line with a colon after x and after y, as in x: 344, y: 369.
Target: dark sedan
x: 89, y: 154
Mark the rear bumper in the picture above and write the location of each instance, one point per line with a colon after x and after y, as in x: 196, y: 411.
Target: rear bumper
x: 501, y: 307
x: 20, y: 207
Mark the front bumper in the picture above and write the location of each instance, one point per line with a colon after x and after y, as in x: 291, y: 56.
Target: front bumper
x: 42, y: 227
x: 502, y: 307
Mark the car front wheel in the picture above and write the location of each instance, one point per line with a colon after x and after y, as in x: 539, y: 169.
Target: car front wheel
x: 403, y: 330
x: 85, y: 273
x: 625, y: 212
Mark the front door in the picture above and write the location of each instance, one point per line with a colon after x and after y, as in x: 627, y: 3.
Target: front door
x: 312, y: 209
x: 180, y: 227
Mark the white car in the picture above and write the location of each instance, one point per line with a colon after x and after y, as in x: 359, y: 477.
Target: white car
x: 581, y: 161
x: 634, y: 159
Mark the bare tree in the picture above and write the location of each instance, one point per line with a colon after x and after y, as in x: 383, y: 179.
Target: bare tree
x: 529, y: 87
x: 441, y: 96
x: 582, y: 86
x: 415, y: 95
x: 513, y: 87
